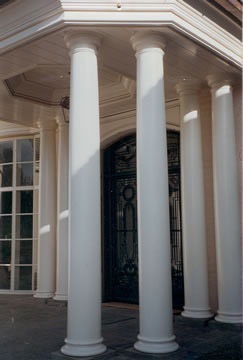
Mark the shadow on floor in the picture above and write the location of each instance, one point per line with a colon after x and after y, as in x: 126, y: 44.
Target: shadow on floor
x: 32, y: 329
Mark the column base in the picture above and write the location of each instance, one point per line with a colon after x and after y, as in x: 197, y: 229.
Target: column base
x: 156, y: 346
x: 229, y: 318
x: 197, y: 313
x: 43, y: 295
x: 60, y: 297
x: 77, y: 349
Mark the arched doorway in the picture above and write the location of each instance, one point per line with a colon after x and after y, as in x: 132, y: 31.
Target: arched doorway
x: 120, y: 223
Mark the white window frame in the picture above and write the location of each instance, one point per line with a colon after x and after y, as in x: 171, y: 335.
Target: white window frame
x: 14, y: 188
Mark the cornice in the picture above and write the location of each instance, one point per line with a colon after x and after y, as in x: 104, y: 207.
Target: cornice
x: 174, y: 13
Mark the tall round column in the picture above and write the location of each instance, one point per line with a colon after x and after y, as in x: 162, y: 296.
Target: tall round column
x: 193, y: 208
x: 84, y: 293
x: 155, y: 289
x: 62, y: 212
x: 47, y: 211
x: 226, y: 202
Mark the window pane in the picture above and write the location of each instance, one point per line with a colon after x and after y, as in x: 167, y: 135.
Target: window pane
x: 24, y: 226
x: 24, y: 174
x: 37, y: 173
x: 5, y: 252
x: 23, y: 278
x: 23, y: 252
x: 6, y: 202
x: 6, y: 152
x: 37, y: 149
x: 6, y: 175
x: 5, y: 227
x: 24, y: 202
x: 25, y: 150
x: 5, y: 277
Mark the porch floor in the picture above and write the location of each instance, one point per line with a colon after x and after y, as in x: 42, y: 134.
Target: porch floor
x: 32, y: 329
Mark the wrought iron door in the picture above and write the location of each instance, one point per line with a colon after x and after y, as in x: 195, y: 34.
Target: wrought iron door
x: 121, y: 245
x: 173, y: 146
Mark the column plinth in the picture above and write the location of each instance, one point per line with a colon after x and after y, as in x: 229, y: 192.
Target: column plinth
x: 47, y: 211
x: 226, y: 201
x: 62, y: 212
x: 193, y: 208
x: 155, y: 289
x: 84, y: 291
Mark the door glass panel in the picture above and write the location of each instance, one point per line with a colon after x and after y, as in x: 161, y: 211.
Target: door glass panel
x: 23, y: 252
x: 6, y: 152
x: 5, y: 252
x: 5, y: 272
x: 6, y: 175
x: 24, y: 174
x: 24, y: 226
x: 24, y: 202
x: 24, y: 150
x: 23, y: 278
x: 6, y: 202
x: 5, y: 227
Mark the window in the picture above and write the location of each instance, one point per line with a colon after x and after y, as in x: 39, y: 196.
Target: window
x: 19, y: 179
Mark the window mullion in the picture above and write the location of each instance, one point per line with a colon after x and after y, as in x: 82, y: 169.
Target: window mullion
x: 13, y: 217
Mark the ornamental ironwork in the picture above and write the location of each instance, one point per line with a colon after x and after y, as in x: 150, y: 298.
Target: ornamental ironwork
x: 121, y: 244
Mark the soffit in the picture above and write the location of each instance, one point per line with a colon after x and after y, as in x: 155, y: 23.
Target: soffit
x: 30, y: 19
x: 39, y: 71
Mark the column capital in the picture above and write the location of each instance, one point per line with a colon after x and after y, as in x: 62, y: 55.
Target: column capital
x: 188, y: 87
x: 46, y: 125
x: 77, y: 40
x: 147, y: 40
x: 220, y: 79
x: 61, y: 122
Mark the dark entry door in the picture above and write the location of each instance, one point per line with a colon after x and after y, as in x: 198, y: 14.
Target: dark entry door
x: 121, y: 245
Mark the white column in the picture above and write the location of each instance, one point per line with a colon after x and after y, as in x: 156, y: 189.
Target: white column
x: 84, y: 293
x: 62, y: 212
x: 193, y: 207
x: 155, y: 289
x: 226, y: 201
x: 47, y: 211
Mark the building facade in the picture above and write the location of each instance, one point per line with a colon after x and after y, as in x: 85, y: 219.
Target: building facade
x: 120, y: 161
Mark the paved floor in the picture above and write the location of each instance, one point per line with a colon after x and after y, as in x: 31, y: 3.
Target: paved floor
x: 31, y: 329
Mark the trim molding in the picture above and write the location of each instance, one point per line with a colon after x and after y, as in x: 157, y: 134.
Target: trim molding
x: 18, y: 132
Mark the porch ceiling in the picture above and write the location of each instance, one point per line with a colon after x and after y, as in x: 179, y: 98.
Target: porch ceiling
x: 39, y: 71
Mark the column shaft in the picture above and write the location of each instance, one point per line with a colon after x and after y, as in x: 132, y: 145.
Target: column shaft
x: 47, y: 213
x: 62, y: 213
x: 155, y: 289
x: 226, y: 203
x: 84, y: 295
x: 193, y: 208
